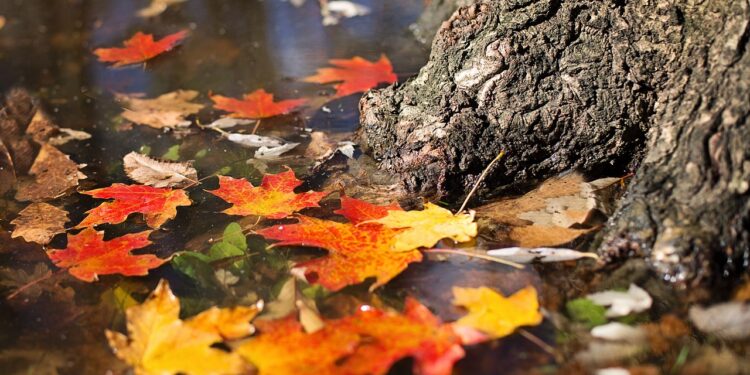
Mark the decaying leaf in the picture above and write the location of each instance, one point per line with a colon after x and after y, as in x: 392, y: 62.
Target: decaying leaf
x: 274, y: 152
x: 157, y: 7
x: 7, y: 170
x: 39, y: 222
x: 253, y: 141
x: 634, y: 300
x: 88, y: 255
x: 274, y: 198
x: 256, y: 105
x: 34, y: 283
x: 66, y: 135
x: 539, y: 254
x: 148, y: 171
x: 158, y: 342
x: 158, y: 205
x: 55, y: 175
x: 355, y: 75
x: 168, y: 111
x: 728, y: 320
x: 495, y: 314
x: 355, y: 252
x: 426, y: 227
x: 228, y: 122
x: 334, y: 11
x: 140, y: 48
x: 546, y: 216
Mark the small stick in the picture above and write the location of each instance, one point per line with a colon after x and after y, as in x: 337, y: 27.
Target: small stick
x: 28, y: 285
x: 255, y: 129
x: 538, y: 342
x: 472, y: 255
x: 481, y: 177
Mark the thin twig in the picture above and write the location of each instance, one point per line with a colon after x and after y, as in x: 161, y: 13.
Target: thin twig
x: 478, y: 256
x: 31, y: 283
x: 538, y: 342
x: 479, y: 181
x: 255, y: 129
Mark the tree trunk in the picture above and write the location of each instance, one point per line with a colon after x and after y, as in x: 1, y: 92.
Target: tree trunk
x: 657, y: 87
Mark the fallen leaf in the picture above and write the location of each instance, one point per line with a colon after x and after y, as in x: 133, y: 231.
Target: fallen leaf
x: 228, y: 122
x: 88, y: 255
x: 542, y: 236
x: 39, y: 222
x: 266, y: 153
x: 539, y: 254
x: 55, y: 175
x: 495, y: 314
x: 158, y: 205
x: 158, y: 342
x: 68, y: 135
x: 41, y: 128
x: 355, y: 75
x: 197, y: 265
x: 728, y: 320
x: 358, y: 211
x: 252, y: 140
x: 31, y: 285
x: 157, y: 173
x: 274, y: 198
x: 7, y: 170
x: 334, y: 11
x: 166, y: 111
x: 616, y: 331
x: 157, y: 7
x: 355, y: 253
x: 426, y: 227
x: 256, y: 105
x: 634, y: 300
x: 585, y: 311
x: 140, y: 48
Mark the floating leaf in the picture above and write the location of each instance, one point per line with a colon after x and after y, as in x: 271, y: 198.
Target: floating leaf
x: 355, y: 252
x: 425, y: 228
x: 39, y: 222
x: 728, y: 320
x: 274, y: 152
x: 158, y: 205
x: 634, y: 300
x: 494, y: 314
x: 539, y: 254
x: 256, y: 105
x: 358, y: 211
x: 334, y: 11
x: 274, y: 198
x: 88, y: 255
x: 585, y: 311
x: 55, y: 175
x: 252, y: 140
x: 355, y: 74
x: 157, y: 7
x: 158, y: 342
x: 227, y: 122
x: 198, y: 265
x: 167, y: 111
x: 139, y: 48
x: 157, y: 173
x: 68, y: 135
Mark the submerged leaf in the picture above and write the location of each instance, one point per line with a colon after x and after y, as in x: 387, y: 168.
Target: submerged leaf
x: 274, y: 152
x: 539, y: 254
x: 157, y: 173
x: 55, y: 175
x: 495, y: 314
x: 157, y: 7
x: 258, y: 104
x: 634, y: 300
x: 39, y: 222
x: 355, y: 75
x: 139, y: 48
x: 167, y: 111
x: 252, y: 140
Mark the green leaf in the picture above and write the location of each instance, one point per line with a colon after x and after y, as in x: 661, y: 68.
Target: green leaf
x: 585, y: 311
x: 196, y: 266
x: 173, y: 153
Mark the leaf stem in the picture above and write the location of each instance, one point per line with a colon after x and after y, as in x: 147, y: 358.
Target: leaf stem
x: 478, y: 256
x: 481, y: 177
x: 31, y: 283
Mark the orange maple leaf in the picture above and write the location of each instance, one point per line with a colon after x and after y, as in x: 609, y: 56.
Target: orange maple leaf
x: 139, y: 48
x: 358, y: 211
x: 355, y: 74
x: 258, y: 104
x: 88, y: 255
x: 356, y: 252
x: 157, y: 204
x: 274, y: 198
x: 368, y: 342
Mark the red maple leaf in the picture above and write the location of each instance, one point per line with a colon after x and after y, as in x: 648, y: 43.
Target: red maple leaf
x: 358, y: 211
x: 258, y: 104
x: 139, y: 48
x: 355, y: 74
x: 157, y: 204
x: 274, y: 198
x: 355, y: 253
x: 88, y: 255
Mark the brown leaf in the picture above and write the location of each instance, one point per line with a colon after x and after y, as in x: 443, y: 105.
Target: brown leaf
x: 41, y: 128
x: 157, y: 173
x: 55, y: 175
x: 166, y: 111
x: 39, y: 222
x: 7, y: 170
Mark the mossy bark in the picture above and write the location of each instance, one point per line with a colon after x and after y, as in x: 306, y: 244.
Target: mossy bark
x: 656, y: 87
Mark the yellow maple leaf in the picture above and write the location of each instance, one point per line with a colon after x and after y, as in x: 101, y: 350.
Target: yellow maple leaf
x: 161, y: 343
x: 425, y: 228
x: 495, y: 314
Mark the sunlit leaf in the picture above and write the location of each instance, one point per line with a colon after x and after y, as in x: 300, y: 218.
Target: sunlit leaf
x: 39, y: 222
x: 355, y: 74
x: 258, y: 104
x: 139, y: 48
x: 495, y: 314
x: 358, y: 211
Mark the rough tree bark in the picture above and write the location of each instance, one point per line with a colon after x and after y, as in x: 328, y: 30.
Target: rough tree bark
x: 660, y: 87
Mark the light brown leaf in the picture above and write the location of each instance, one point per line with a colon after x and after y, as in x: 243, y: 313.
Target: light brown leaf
x: 55, y: 175
x: 157, y: 173
x: 39, y: 222
x: 164, y: 112
x: 7, y: 170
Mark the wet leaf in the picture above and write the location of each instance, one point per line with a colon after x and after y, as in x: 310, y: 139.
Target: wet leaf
x: 252, y: 140
x: 495, y: 314
x: 358, y: 211
x: 54, y: 176
x: 728, y: 320
x: 334, y: 11
x: 168, y: 111
x: 39, y: 222
x: 585, y: 311
x: 266, y: 153
x: 634, y: 300
x: 158, y: 205
x: 227, y: 123
x: 539, y: 254
x: 31, y: 285
x: 256, y: 105
x: 157, y: 173
x: 157, y: 7
x: 198, y: 265
x: 426, y: 227
x: 7, y: 170
x: 355, y: 75
x: 274, y: 198
x: 88, y: 255
x: 68, y: 135
x: 355, y: 252
x: 140, y: 48
x: 158, y: 342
